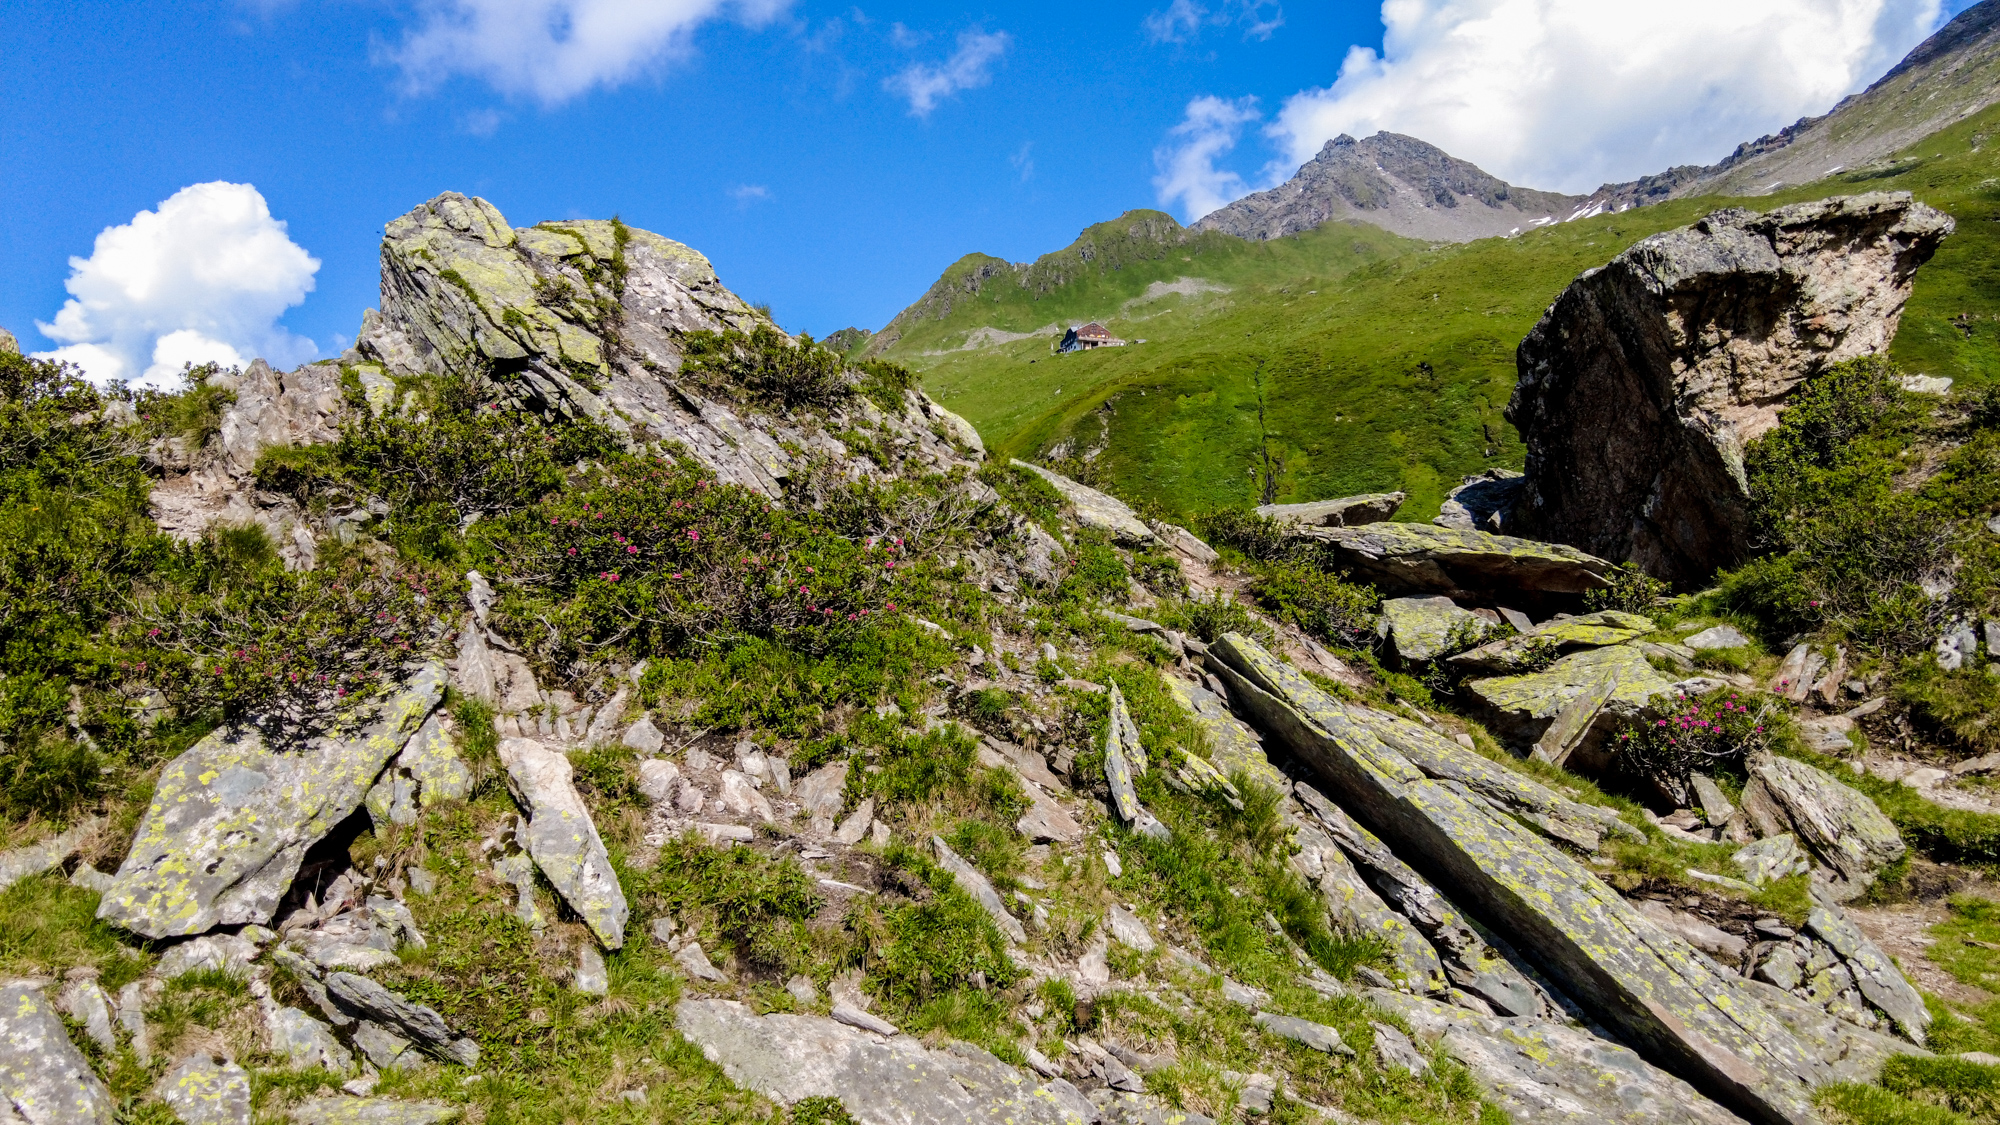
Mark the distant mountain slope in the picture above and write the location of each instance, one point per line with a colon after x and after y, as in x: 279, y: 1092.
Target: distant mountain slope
x: 1130, y: 267
x: 1392, y: 375
x: 1395, y: 182
x: 1947, y: 78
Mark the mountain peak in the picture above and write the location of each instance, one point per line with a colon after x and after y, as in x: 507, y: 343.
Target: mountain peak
x: 1392, y: 181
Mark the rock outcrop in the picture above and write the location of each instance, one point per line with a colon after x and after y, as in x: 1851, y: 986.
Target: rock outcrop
x: 1669, y: 1001
x: 44, y: 1079
x: 1475, y: 566
x: 588, y: 318
x: 232, y: 817
x: 1645, y: 380
x: 562, y: 838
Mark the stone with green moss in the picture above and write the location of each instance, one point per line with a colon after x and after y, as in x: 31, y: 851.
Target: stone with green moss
x: 1410, y: 558
x: 1419, y: 630
x: 1232, y: 746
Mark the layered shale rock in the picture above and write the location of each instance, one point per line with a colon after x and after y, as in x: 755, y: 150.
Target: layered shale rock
x: 1475, y: 566
x: 1645, y: 380
x: 1669, y: 1001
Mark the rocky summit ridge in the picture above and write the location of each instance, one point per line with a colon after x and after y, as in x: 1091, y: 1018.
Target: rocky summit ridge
x: 1395, y: 182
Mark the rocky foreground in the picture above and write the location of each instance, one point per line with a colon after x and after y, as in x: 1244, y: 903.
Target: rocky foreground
x: 333, y: 873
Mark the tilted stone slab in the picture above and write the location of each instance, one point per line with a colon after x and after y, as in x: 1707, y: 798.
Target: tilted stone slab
x: 880, y: 1081
x: 562, y: 838
x: 17, y: 864
x: 1232, y: 746
x: 426, y: 772
x: 1837, y: 821
x: 1552, y: 1074
x: 975, y: 884
x: 1420, y: 630
x: 1347, y: 511
x: 1411, y: 558
x: 1591, y: 630
x: 362, y: 998
x: 1097, y: 511
x: 232, y: 817
x: 1874, y: 973
x: 43, y: 1077
x: 1357, y: 909
x: 1659, y: 994
x: 1520, y: 708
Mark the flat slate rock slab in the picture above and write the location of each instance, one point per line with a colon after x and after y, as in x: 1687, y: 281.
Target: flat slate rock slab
x: 881, y: 1081
x: 371, y: 1111
x: 232, y: 817
x: 1519, y: 708
x: 1551, y: 1074
x: 1094, y: 509
x: 1654, y: 990
x: 1347, y: 511
x: 44, y: 1079
x: 1412, y: 558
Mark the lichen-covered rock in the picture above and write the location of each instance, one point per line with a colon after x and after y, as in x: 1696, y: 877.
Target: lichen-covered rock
x: 1548, y: 1073
x: 1652, y: 989
x: 1774, y: 857
x: 204, y: 1091
x: 1412, y: 558
x: 1232, y: 746
x: 1358, y: 910
x: 1874, y: 974
x: 1646, y: 379
x: 425, y: 772
x: 976, y: 885
x: 1838, y: 822
x: 1519, y: 708
x: 880, y: 1081
x: 588, y: 318
x: 1347, y: 511
x: 43, y: 1077
x: 364, y: 999
x: 306, y: 1041
x: 1591, y: 630
x: 1419, y: 630
x: 1097, y: 511
x: 563, y: 839
x: 232, y: 817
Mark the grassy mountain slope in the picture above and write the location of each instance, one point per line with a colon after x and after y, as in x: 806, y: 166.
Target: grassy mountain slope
x: 1124, y: 271
x: 1393, y: 374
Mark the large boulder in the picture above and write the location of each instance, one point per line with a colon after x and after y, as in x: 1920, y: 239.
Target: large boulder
x: 1647, y: 378
x: 588, y: 318
x: 1419, y: 630
x: 1520, y: 708
x: 1657, y: 993
x: 892, y: 1080
x: 232, y: 817
x: 1466, y: 566
x: 563, y: 839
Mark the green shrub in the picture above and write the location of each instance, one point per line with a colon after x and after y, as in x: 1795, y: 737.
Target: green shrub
x: 1209, y: 618
x: 1334, y: 611
x: 767, y: 369
x: 1631, y: 590
x: 192, y: 414
x: 1258, y: 538
x: 1694, y: 736
x: 1026, y: 491
x: 1960, y: 709
x: 1096, y: 572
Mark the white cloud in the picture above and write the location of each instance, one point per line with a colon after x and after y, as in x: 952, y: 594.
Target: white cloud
x: 1023, y: 161
x: 1568, y: 94
x: 203, y: 278
x: 554, y: 50
x: 746, y: 194
x: 1183, y: 20
x: 1187, y: 163
x: 968, y: 68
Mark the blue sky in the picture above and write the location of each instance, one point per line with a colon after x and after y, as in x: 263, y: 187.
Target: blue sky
x: 830, y: 160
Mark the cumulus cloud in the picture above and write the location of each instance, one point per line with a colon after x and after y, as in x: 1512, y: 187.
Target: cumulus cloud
x: 554, y: 50
x: 1187, y: 163
x: 1568, y: 94
x: 968, y: 68
x: 202, y: 279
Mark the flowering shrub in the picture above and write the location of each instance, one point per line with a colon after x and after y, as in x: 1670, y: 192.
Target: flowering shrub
x: 658, y: 555
x: 284, y: 648
x: 1694, y: 735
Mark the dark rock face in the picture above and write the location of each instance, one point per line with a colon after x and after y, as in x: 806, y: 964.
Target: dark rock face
x: 1645, y: 380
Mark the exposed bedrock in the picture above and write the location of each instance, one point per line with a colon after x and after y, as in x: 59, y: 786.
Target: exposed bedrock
x: 1646, y: 379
